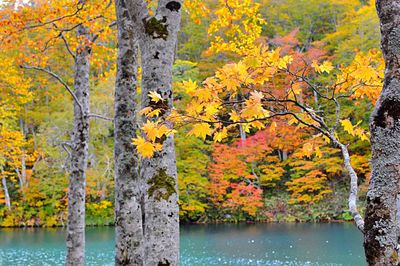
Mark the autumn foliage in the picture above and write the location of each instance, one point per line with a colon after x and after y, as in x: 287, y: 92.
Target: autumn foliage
x: 250, y: 78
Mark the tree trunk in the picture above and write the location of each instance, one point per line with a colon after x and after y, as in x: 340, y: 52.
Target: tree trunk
x: 382, y: 234
x: 128, y: 210
x: 159, y: 173
x: 79, y: 155
x: 22, y: 174
x: 6, y: 194
x: 157, y: 39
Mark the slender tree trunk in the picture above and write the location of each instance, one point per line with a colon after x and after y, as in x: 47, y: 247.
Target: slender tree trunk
x: 128, y: 210
x: 6, y: 194
x: 382, y: 233
x: 21, y: 183
x: 22, y: 174
x: 23, y: 171
x: 79, y: 155
x: 158, y: 177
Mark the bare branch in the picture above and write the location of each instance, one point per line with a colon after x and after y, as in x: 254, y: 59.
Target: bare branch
x: 67, y: 46
x: 65, y: 146
x: 100, y: 117
x: 353, y: 196
x: 61, y: 35
x: 59, y: 79
x: 337, y: 110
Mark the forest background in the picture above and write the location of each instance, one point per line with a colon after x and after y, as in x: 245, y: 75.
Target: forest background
x: 279, y: 173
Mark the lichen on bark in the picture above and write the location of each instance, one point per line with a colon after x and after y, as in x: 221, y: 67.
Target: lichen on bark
x: 161, y: 186
x: 382, y: 234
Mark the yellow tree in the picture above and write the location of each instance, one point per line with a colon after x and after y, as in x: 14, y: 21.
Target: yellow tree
x: 11, y: 145
x: 39, y: 30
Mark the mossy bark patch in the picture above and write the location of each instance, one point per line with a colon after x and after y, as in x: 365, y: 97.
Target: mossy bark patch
x: 158, y: 29
x: 162, y: 185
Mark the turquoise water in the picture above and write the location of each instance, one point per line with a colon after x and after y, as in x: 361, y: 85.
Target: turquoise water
x: 202, y: 245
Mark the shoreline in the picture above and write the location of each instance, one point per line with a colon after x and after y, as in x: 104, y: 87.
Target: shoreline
x: 192, y: 223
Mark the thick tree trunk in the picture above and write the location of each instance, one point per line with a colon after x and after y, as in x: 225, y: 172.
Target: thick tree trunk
x: 381, y: 223
x: 128, y: 210
x: 6, y: 194
x: 157, y: 39
x: 159, y: 173
x: 79, y: 156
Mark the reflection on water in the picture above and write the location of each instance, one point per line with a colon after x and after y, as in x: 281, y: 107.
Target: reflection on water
x: 261, y: 244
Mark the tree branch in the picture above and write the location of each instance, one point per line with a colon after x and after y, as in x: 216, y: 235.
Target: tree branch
x: 100, y: 117
x: 59, y: 79
x: 78, y: 9
x: 61, y: 35
x: 65, y: 146
x: 353, y: 196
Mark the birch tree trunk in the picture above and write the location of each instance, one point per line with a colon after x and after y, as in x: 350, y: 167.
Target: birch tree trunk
x: 22, y: 174
x: 157, y: 39
x: 128, y: 210
x: 6, y: 194
x: 381, y: 223
x: 159, y: 173
x: 79, y: 155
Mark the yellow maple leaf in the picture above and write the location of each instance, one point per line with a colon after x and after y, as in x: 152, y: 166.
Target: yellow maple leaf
x: 326, y: 66
x: 285, y: 61
x: 151, y: 130
x: 220, y: 135
x: 154, y: 130
x: 234, y: 117
x: 203, y: 94
x: 257, y: 124
x: 155, y: 96
x: 201, y: 130
x: 154, y: 113
x: 158, y: 147
x: 164, y: 130
x: 348, y: 126
x: 190, y: 86
x: 146, y: 110
x: 144, y: 148
x: 212, y: 108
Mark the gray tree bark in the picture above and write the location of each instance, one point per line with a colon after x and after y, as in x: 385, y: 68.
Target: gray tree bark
x: 128, y: 197
x: 79, y: 155
x: 381, y: 238
x: 6, y: 194
x: 159, y: 173
x: 22, y: 174
x: 158, y: 178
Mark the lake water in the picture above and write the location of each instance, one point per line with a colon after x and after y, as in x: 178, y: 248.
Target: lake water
x: 202, y: 245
